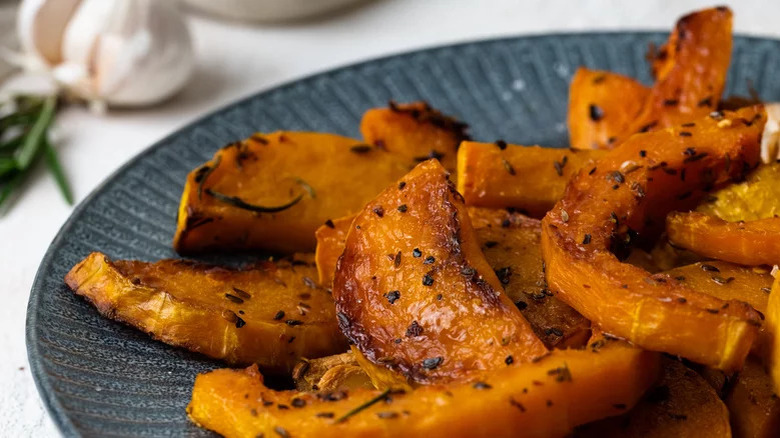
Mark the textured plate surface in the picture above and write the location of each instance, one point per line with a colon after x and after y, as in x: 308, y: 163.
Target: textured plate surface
x: 100, y: 378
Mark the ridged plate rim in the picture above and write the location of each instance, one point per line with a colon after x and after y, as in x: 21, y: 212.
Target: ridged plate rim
x: 42, y: 380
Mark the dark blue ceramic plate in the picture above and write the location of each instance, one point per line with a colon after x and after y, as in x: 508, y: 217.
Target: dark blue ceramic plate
x: 101, y: 378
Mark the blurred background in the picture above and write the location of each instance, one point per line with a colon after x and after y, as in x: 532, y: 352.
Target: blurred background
x: 163, y: 63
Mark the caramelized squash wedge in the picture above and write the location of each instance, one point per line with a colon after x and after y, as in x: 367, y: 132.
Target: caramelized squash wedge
x: 272, y: 191
x: 414, y: 292
x: 690, y: 72
x: 271, y: 315
x: 415, y: 131
x: 510, y: 243
x: 330, y: 373
x: 330, y: 244
x: 681, y: 404
x: 758, y: 197
x: 754, y: 407
x: 542, y: 399
x: 631, y: 189
x: 727, y: 281
x: 771, y: 340
x: 666, y: 257
x: 530, y: 179
x: 749, y: 243
x: 602, y: 105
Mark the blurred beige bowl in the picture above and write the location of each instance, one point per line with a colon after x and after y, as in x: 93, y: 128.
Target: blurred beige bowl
x: 268, y: 10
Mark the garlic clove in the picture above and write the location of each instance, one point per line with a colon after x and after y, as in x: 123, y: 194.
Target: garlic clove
x: 117, y: 52
x: 140, y: 52
x: 41, y: 24
x: 770, y: 140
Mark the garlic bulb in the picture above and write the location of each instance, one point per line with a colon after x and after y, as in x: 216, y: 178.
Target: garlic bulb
x: 121, y: 52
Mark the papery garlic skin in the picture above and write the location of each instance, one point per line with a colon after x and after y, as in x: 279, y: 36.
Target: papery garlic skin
x: 770, y: 139
x: 119, y: 52
x: 41, y: 24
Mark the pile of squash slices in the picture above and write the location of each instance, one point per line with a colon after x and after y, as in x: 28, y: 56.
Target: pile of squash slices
x: 428, y: 285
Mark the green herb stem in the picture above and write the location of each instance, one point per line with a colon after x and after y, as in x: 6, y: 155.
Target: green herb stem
x: 364, y: 406
x: 237, y: 202
x: 53, y: 163
x: 7, y: 189
x: 35, y: 136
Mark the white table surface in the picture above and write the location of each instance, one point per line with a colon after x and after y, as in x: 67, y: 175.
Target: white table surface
x: 237, y: 59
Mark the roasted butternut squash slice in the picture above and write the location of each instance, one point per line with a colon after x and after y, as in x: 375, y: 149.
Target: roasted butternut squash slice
x: 414, y: 292
x: 330, y: 373
x: 754, y: 407
x: 690, y: 74
x: 330, y: 244
x: 727, y: 281
x: 414, y: 131
x: 271, y: 315
x: 510, y: 243
x: 771, y: 339
x: 630, y: 190
x: 602, y: 105
x: 272, y: 191
x: 542, y: 399
x: 666, y: 257
x: 527, y: 178
x: 758, y: 197
x: 681, y: 404
x: 748, y: 243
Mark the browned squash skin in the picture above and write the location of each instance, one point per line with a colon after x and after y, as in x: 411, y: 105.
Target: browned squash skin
x: 754, y: 407
x: 602, y: 105
x: 691, y: 74
x: 681, y: 404
x: 530, y: 179
x: 748, y: 243
x: 511, y: 245
x: 543, y: 399
x: 630, y: 188
x: 414, y: 292
x: 414, y: 131
x: 274, y: 170
x: 232, y: 315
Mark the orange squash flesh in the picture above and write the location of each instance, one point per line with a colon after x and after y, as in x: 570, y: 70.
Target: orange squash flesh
x: 692, y: 74
x: 510, y: 243
x: 528, y: 178
x: 727, y: 281
x: 414, y: 131
x: 681, y: 404
x: 602, y: 105
x: 632, y: 188
x: 771, y: 338
x: 232, y: 315
x: 330, y: 245
x: 666, y: 257
x: 414, y: 292
x: 748, y: 243
x: 758, y: 197
x: 542, y: 399
x: 754, y: 407
x: 277, y: 170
